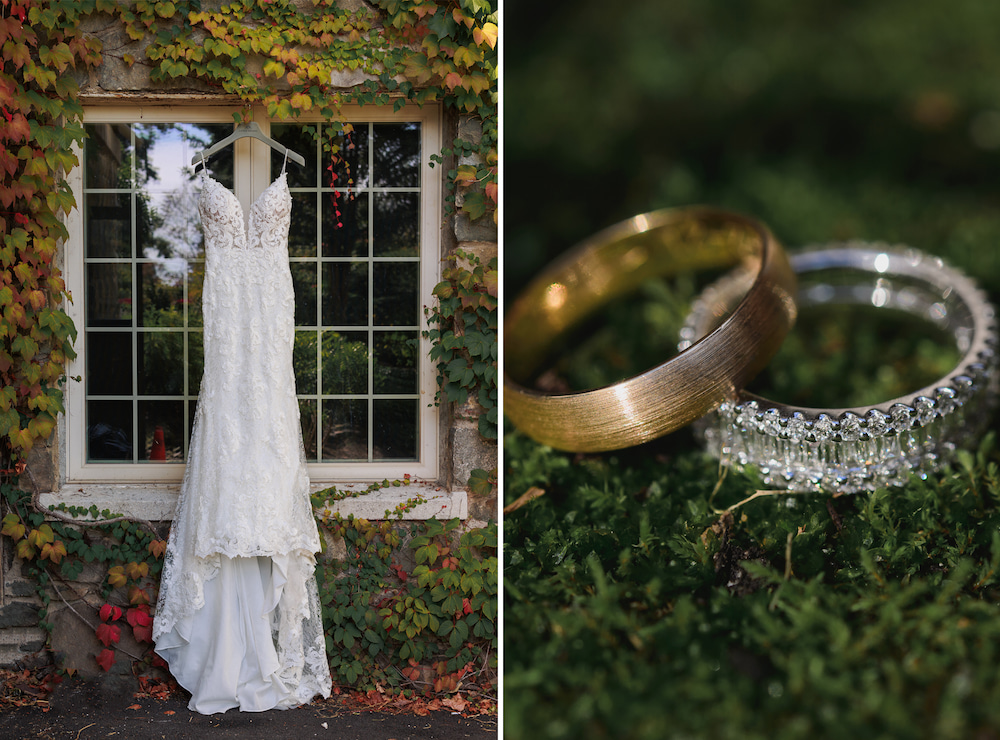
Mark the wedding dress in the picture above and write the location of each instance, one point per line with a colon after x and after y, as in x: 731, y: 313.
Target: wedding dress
x: 238, y: 617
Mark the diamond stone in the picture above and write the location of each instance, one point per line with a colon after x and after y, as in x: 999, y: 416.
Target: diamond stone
x: 823, y: 428
x: 902, y: 417
x: 878, y: 423
x: 797, y: 428
x: 850, y: 427
x: 746, y: 415
x: 964, y: 387
x: 946, y: 400
x: 771, y: 422
x: 925, y: 410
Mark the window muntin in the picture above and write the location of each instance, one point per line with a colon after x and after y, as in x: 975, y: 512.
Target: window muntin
x: 361, y: 367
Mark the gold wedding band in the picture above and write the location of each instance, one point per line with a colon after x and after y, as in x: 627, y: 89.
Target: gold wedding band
x: 613, y: 263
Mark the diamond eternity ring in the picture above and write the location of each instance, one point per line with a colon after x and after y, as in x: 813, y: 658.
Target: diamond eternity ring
x: 848, y: 450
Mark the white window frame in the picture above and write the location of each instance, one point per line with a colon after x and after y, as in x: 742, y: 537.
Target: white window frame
x: 76, y: 470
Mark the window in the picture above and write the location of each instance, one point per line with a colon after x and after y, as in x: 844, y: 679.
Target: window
x: 363, y: 252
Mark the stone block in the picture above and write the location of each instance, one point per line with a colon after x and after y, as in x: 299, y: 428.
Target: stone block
x: 42, y: 471
x: 481, y: 230
x: 16, y: 643
x: 470, y: 129
x: 485, y: 251
x: 18, y: 614
x: 470, y: 451
x: 483, y: 509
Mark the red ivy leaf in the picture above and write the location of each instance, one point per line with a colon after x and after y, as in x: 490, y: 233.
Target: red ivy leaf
x: 106, y: 659
x: 108, y: 634
x: 139, y: 616
x: 143, y: 633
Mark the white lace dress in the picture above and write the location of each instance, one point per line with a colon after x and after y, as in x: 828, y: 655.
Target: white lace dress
x: 238, y: 616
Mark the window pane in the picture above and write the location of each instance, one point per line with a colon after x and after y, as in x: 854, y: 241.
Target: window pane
x: 302, y: 231
x: 299, y: 139
x: 307, y: 419
x: 397, y: 154
x: 108, y: 160
x: 345, y: 294
x: 394, y: 429
x: 161, y: 363
x: 162, y: 430
x: 350, y: 162
x: 109, y: 294
x: 346, y: 234
x: 345, y: 430
x: 304, y: 282
x: 396, y: 232
x: 160, y: 295
x: 109, y: 363
x: 195, y: 280
x: 196, y: 361
x: 304, y: 361
x: 396, y: 361
x: 109, y: 430
x: 345, y: 362
x: 395, y: 293
x: 109, y: 225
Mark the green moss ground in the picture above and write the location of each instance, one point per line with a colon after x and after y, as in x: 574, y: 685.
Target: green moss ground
x: 633, y: 608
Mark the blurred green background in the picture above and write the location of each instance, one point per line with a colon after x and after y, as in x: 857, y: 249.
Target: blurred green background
x: 870, y: 616
x: 827, y: 120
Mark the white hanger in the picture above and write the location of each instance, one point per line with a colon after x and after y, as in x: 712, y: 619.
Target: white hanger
x: 254, y: 131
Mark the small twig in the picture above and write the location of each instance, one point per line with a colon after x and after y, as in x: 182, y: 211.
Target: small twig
x: 723, y: 469
x: 755, y: 494
x: 530, y: 495
x: 84, y: 728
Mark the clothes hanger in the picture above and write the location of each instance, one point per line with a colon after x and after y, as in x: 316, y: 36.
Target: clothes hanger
x: 242, y: 131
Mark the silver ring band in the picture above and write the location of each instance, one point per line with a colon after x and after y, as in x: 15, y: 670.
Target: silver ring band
x: 848, y: 450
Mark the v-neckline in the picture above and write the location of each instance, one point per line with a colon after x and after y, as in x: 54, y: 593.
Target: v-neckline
x: 245, y: 215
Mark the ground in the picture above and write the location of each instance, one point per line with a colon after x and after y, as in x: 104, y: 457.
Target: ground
x: 34, y: 706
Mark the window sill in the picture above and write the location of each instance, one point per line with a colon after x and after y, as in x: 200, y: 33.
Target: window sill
x: 157, y: 502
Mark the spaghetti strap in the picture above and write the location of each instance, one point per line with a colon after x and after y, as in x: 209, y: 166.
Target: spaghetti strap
x: 285, y: 162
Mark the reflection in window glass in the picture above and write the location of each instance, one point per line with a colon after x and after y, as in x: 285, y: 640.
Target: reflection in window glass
x: 144, y: 270
x: 360, y: 233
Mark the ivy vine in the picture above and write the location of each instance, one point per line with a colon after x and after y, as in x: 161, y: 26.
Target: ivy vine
x: 464, y: 336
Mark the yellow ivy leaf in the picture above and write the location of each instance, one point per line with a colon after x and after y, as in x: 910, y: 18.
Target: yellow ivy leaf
x: 488, y: 33
x: 128, y: 59
x: 466, y: 174
x: 136, y: 570
x: 461, y: 17
x: 24, y: 550
x: 116, y: 576
x: 301, y: 101
x: 12, y: 527
x: 55, y: 551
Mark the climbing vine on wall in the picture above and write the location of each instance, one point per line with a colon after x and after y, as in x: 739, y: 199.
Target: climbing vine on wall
x: 287, y: 56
